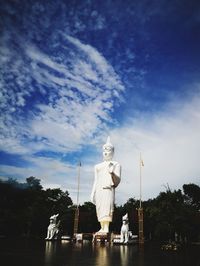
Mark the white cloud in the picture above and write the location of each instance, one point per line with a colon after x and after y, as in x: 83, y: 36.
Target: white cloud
x: 103, y: 69
x: 170, y: 147
x: 53, y: 173
x: 169, y: 143
x: 55, y: 103
x: 80, y: 90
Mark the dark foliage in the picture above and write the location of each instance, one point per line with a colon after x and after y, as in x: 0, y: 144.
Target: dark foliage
x: 25, y: 210
x: 173, y: 215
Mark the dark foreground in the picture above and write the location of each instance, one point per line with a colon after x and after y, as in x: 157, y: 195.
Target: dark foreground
x: 39, y: 253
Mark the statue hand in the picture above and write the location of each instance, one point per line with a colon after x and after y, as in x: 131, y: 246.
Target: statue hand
x: 111, y: 168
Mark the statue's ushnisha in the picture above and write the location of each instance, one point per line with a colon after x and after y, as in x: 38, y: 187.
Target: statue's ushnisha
x: 107, y: 178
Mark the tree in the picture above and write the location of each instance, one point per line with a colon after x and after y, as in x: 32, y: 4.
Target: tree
x: 165, y: 215
x: 192, y: 202
x: 33, y: 183
x: 25, y: 208
x: 87, y: 218
x: 192, y: 193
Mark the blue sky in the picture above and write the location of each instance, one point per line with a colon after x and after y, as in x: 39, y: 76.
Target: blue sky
x: 74, y: 72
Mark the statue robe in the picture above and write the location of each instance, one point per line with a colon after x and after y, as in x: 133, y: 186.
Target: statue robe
x: 103, y: 192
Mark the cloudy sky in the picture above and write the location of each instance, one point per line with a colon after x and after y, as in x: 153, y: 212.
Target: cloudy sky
x: 73, y: 72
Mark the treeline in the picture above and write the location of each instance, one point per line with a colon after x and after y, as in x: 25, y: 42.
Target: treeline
x: 25, y: 209
x: 173, y: 215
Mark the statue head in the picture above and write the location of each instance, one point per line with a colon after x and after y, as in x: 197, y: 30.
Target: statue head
x: 125, y: 219
x: 108, y: 150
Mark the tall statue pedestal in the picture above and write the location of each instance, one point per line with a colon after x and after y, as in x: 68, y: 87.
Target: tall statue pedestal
x: 80, y: 237
x: 101, y: 237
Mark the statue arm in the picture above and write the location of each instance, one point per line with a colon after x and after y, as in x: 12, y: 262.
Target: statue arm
x: 115, y: 171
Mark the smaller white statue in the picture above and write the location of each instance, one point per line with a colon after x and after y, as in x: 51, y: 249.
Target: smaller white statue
x: 125, y: 229
x: 53, y: 229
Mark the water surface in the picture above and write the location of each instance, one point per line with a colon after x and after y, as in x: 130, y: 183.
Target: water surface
x: 39, y: 252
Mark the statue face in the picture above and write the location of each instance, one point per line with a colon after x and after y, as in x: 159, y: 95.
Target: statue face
x: 107, y: 153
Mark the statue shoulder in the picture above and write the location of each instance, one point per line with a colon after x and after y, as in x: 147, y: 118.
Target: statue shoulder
x: 116, y: 163
x: 97, y: 166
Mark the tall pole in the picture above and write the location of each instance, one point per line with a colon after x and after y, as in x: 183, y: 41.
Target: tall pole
x: 140, y: 180
x: 78, y: 184
x: 140, y: 209
x: 76, y: 218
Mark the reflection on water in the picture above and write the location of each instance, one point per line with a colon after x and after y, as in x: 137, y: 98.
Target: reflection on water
x: 141, y: 255
x: 132, y: 255
x: 50, y: 251
x: 102, y: 255
x: 105, y: 254
x: 124, y: 255
x: 56, y: 253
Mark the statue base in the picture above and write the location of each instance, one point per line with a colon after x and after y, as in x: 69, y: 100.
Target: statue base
x: 116, y: 239
x: 102, y: 237
x: 80, y: 237
x: 66, y: 238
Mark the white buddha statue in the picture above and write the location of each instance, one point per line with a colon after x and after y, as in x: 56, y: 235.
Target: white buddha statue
x: 107, y: 178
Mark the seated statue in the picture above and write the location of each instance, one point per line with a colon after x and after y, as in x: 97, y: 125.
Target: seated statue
x: 125, y: 229
x: 53, y: 229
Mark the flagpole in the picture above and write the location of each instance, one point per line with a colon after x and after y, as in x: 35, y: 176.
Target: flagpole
x: 140, y: 209
x: 140, y: 180
x: 78, y: 184
x: 76, y: 218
